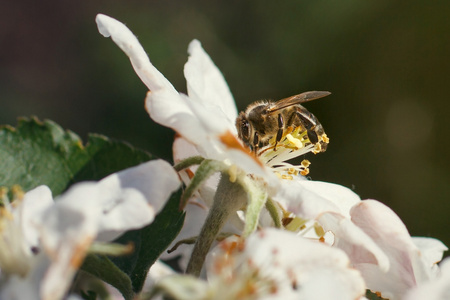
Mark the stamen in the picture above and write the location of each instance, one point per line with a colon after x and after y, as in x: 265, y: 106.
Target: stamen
x: 296, y: 142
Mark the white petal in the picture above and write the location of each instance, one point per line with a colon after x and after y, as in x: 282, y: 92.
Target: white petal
x: 68, y: 229
x: 17, y: 287
x: 436, y: 289
x: 297, y: 266
x: 432, y: 249
x: 173, y: 111
x: 163, y: 102
x: 157, y: 271
x: 35, y: 202
x: 308, y: 199
x: 355, y: 242
x: 132, y: 198
x: 129, y: 44
x: 407, y: 267
x: 206, y: 83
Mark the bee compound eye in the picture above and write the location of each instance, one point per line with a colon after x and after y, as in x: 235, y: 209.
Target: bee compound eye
x: 245, y: 129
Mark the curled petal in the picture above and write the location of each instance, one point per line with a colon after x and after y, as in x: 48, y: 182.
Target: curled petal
x: 129, y: 44
x: 408, y: 268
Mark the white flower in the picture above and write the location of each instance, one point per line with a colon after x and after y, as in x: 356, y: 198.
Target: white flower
x: 19, y: 239
x: 412, y: 260
x: 272, y: 264
x: 373, y: 236
x: 437, y: 289
x: 205, y: 119
x: 88, y: 211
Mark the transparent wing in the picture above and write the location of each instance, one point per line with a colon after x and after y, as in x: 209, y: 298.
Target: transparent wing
x: 297, y: 99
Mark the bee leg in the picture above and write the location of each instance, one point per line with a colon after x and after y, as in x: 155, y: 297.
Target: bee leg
x: 310, y: 128
x: 255, y: 143
x: 279, y: 132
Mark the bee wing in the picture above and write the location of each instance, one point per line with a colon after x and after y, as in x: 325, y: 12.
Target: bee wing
x: 297, y: 99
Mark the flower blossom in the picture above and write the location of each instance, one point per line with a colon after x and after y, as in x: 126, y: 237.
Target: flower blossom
x: 43, y: 243
x: 271, y: 264
x: 372, y: 236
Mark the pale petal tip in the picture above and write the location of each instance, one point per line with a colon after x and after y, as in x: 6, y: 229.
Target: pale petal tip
x: 194, y: 45
x: 103, y: 22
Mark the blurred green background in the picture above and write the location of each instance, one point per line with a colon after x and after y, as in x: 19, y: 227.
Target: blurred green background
x: 386, y: 63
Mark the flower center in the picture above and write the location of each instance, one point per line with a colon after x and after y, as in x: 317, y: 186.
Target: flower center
x: 294, y: 142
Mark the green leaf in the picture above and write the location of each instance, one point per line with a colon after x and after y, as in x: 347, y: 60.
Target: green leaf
x: 206, y: 168
x: 150, y: 242
x: 36, y: 153
x: 372, y: 296
x: 102, y: 267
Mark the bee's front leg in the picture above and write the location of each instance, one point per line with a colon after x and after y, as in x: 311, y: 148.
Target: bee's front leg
x: 280, y: 131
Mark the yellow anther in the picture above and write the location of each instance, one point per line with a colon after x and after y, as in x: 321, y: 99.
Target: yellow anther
x: 296, y: 142
x: 306, y: 163
x: 324, y: 138
x: 305, y: 172
x: 289, y: 177
x: 317, y: 148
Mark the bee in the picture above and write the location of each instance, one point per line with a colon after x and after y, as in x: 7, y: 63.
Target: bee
x: 264, y: 120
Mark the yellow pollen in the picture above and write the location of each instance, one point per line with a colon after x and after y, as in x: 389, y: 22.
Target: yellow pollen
x: 292, y: 171
x: 317, y: 148
x: 296, y: 142
x: 305, y: 172
x: 306, y: 163
x: 289, y: 177
x: 324, y: 138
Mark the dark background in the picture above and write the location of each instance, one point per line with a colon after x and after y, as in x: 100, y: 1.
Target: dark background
x: 386, y: 63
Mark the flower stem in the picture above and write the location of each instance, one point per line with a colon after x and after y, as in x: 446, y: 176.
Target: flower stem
x: 230, y: 197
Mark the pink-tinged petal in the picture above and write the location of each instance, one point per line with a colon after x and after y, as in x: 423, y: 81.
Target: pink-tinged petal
x: 407, y: 267
x: 308, y: 199
x: 206, y: 84
x: 129, y: 44
x: 355, y: 242
x: 436, y: 289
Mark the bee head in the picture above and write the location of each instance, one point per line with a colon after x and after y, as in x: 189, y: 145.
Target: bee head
x: 243, y: 128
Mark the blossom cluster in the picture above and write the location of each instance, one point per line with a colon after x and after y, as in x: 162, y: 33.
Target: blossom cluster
x: 283, y: 237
